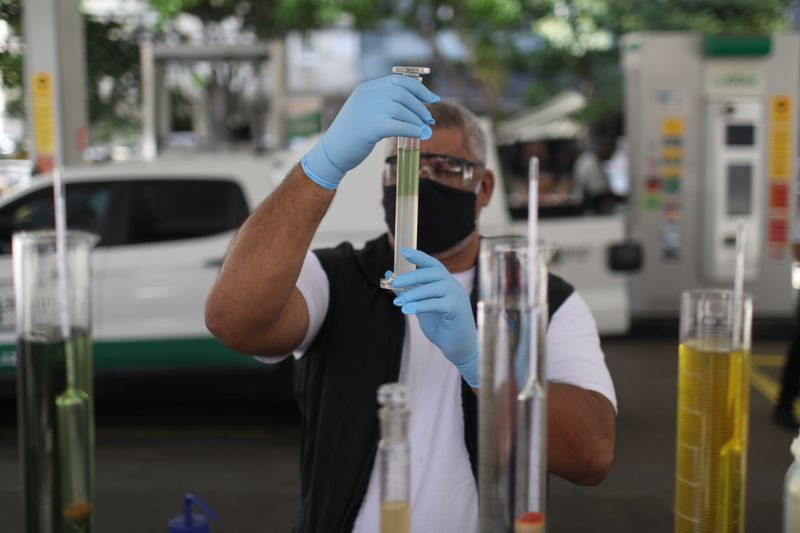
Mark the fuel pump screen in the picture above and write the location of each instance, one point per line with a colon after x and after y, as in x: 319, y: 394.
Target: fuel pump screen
x: 740, y: 178
x: 740, y: 135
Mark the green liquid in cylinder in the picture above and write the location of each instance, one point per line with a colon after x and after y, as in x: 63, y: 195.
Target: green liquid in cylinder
x: 407, y: 172
x: 41, y: 379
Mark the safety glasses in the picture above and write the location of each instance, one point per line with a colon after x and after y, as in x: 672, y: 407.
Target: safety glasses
x: 448, y: 170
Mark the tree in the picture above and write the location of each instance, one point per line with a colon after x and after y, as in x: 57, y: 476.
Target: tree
x: 112, y: 71
x: 582, y: 38
x: 487, y: 28
x: 11, y: 59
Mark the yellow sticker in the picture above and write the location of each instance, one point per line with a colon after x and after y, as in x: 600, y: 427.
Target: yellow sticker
x: 672, y: 127
x: 781, y: 109
x: 780, y: 138
x: 672, y: 153
x: 671, y: 171
x: 43, y: 123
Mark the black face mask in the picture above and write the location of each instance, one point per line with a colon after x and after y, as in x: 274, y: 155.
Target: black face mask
x: 446, y: 215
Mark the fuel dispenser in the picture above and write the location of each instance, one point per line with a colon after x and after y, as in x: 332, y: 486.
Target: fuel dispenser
x: 712, y: 124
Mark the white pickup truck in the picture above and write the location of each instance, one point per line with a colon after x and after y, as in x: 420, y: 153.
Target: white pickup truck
x: 164, y: 227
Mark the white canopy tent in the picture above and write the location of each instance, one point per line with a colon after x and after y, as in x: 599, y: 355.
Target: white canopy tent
x: 550, y: 120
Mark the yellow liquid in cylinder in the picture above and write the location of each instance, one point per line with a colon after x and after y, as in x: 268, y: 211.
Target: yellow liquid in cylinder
x: 394, y: 517
x: 711, y: 454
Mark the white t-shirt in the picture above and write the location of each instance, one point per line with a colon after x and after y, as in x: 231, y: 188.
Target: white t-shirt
x: 444, y: 495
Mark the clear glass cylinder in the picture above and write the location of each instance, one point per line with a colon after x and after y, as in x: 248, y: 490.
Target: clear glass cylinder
x: 54, y: 383
x: 407, y: 200
x: 407, y: 207
x: 791, y: 492
x: 394, y: 459
x: 512, y: 320
x: 713, y: 407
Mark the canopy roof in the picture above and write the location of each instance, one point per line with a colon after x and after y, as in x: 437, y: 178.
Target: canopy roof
x: 550, y: 120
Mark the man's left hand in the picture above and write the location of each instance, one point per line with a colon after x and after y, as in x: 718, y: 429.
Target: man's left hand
x: 444, y: 311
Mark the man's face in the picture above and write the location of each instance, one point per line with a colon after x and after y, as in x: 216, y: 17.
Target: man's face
x: 451, y: 142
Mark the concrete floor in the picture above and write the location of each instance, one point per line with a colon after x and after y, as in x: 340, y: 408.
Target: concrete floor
x: 235, y: 445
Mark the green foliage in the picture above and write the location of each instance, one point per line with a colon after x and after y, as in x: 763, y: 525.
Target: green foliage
x: 267, y: 18
x: 579, y: 48
x: 113, y: 75
x: 112, y: 64
x: 582, y: 38
x: 10, y: 11
x: 11, y: 68
x: 746, y: 17
x: 10, y: 60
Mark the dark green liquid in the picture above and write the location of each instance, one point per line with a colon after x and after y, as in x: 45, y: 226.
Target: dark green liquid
x: 408, y: 173
x: 41, y: 378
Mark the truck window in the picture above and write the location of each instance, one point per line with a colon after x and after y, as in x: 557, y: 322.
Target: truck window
x: 168, y: 210
x: 87, y: 209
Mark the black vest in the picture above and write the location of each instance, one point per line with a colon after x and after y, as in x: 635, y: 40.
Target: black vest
x: 357, y: 349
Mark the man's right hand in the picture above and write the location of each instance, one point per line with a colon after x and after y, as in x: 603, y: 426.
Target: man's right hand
x: 387, y: 107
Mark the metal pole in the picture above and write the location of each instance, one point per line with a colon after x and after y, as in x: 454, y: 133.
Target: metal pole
x: 55, y: 82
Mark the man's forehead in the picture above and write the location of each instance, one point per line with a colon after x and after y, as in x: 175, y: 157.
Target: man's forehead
x: 445, y: 141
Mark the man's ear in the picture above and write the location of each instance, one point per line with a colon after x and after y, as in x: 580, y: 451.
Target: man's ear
x: 486, y: 189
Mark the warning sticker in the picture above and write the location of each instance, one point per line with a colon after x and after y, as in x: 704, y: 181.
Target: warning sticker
x: 780, y: 138
x: 672, y: 127
x: 43, y: 121
x: 779, y: 196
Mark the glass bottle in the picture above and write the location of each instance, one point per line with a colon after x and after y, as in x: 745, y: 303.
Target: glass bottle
x: 393, y: 454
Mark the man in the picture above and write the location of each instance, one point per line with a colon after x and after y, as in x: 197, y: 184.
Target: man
x: 349, y: 336
x: 591, y: 181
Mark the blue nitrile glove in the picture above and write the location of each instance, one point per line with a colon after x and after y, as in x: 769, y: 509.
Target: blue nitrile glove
x: 387, y: 107
x: 444, y: 311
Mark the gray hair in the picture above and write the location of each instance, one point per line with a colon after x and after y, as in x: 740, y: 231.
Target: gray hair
x: 453, y: 115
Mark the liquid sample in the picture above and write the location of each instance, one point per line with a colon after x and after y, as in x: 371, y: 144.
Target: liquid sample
x: 405, y: 224
x: 711, y: 454
x: 395, y: 517
x: 41, y: 378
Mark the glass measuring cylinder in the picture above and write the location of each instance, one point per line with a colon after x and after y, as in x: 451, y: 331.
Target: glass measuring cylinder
x: 791, y: 492
x: 407, y: 202
x: 393, y: 454
x: 512, y: 319
x: 713, y: 406
x: 56, y: 422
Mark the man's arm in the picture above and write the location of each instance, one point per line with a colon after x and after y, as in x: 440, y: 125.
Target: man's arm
x: 580, y: 434
x: 254, y: 306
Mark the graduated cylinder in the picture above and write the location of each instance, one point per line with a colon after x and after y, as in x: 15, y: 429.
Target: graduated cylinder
x: 713, y: 403
x: 407, y: 201
x: 54, y: 384
x: 512, y: 319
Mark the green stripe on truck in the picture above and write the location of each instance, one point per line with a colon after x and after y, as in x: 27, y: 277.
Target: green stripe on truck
x: 205, y: 352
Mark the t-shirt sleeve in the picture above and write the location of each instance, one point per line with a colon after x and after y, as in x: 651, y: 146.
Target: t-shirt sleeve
x: 313, y: 285
x: 574, y: 355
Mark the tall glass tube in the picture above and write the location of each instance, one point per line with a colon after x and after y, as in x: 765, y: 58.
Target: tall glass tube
x: 512, y: 319
x: 54, y: 398
x: 713, y: 405
x: 393, y: 454
x: 405, y: 222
